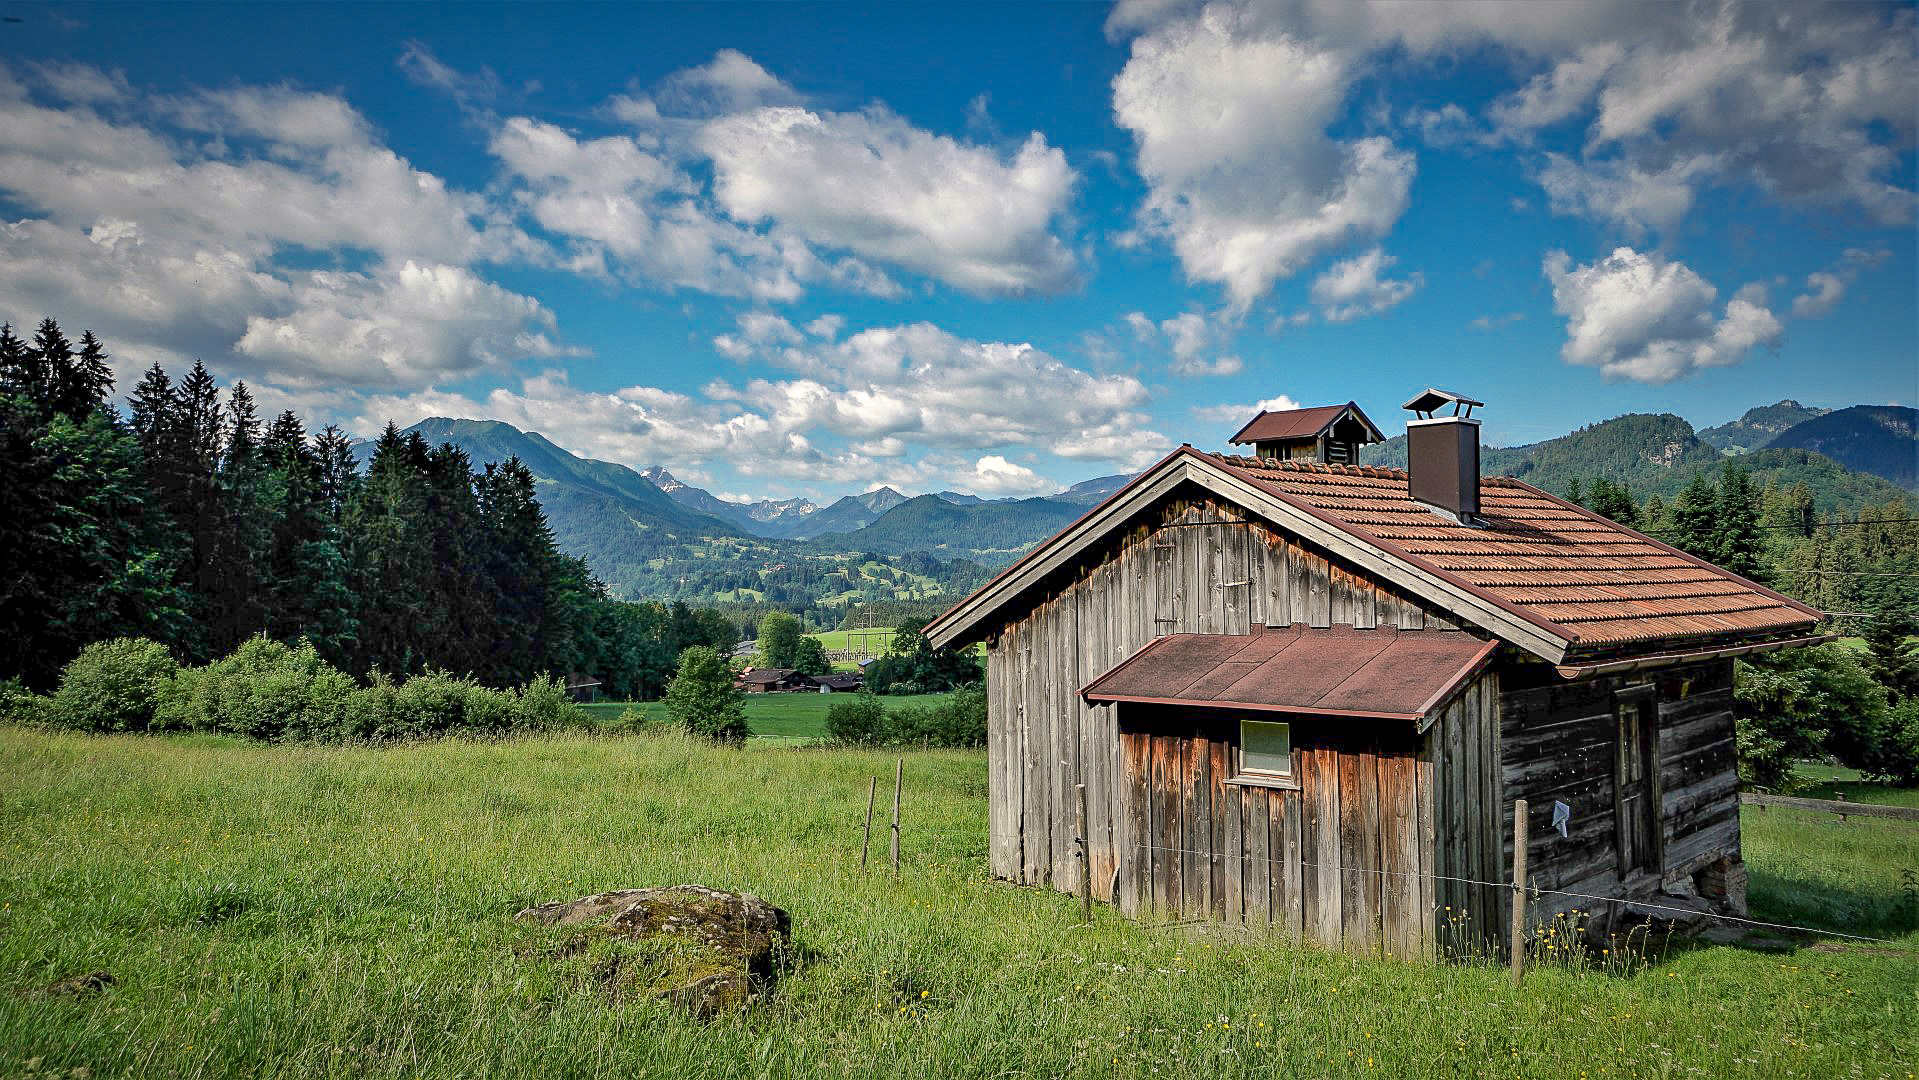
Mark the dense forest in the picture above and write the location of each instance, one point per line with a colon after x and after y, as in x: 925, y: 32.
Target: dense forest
x: 191, y: 522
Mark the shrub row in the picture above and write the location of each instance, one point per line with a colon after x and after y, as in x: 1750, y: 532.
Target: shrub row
x: 959, y: 720
x: 273, y: 691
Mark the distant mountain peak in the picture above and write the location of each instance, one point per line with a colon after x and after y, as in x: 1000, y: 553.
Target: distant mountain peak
x: 1759, y: 426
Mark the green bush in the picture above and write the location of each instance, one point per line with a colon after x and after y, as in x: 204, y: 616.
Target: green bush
x: 436, y: 703
x: 957, y: 721
x: 545, y: 706
x: 112, y: 686
x: 19, y: 705
x: 857, y: 718
x: 264, y: 689
x: 1892, y: 752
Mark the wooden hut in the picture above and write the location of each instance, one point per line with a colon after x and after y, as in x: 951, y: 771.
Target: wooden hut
x: 771, y: 680
x: 1307, y: 695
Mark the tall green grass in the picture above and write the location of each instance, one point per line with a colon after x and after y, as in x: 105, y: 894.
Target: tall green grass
x: 275, y: 910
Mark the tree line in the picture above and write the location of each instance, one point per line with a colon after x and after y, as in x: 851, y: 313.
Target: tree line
x: 192, y: 522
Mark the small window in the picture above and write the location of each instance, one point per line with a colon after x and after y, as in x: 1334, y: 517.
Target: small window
x: 1265, y: 748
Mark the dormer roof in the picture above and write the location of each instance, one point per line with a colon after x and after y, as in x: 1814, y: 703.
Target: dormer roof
x: 1302, y: 424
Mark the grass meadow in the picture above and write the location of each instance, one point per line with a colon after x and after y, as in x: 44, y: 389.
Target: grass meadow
x: 347, y: 911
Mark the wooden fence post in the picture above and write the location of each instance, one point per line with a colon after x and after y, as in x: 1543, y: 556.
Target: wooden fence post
x: 1519, y: 892
x: 899, y: 780
x: 1085, y: 860
x: 866, y: 842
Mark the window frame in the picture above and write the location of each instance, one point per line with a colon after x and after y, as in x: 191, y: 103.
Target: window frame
x: 1246, y: 776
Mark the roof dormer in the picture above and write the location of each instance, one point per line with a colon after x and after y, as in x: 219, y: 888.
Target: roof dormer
x: 1329, y: 434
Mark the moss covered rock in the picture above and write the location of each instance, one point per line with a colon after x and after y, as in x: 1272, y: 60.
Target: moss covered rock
x: 708, y: 950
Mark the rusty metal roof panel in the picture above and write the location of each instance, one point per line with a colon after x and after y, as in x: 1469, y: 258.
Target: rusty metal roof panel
x: 1557, y: 565
x: 1337, y: 671
x: 1300, y: 423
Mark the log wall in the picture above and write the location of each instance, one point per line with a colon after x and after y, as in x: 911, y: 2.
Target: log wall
x: 1559, y: 742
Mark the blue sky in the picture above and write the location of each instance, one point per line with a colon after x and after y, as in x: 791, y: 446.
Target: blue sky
x: 998, y: 248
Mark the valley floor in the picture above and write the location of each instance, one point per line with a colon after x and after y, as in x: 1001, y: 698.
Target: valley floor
x: 348, y: 911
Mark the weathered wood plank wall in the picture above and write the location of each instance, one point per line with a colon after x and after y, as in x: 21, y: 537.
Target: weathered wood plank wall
x: 1192, y: 565
x: 1336, y: 861
x: 1559, y: 743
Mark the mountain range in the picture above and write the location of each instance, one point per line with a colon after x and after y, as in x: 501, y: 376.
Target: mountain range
x: 647, y: 533
x: 1853, y: 457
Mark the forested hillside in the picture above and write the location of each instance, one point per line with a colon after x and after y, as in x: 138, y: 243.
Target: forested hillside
x: 1878, y: 439
x: 1759, y: 426
x: 1658, y: 453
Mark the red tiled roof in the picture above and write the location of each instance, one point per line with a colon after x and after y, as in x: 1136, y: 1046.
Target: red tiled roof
x: 1337, y: 671
x: 1578, y: 575
x: 1293, y: 423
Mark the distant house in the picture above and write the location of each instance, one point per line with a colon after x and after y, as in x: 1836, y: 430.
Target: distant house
x: 1306, y: 694
x: 582, y: 687
x: 772, y: 680
x: 839, y: 684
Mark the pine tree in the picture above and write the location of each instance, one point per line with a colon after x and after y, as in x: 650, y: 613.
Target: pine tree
x: 51, y: 369
x: 1574, y: 494
x: 1736, y: 540
x: 152, y: 405
x: 19, y: 367
x: 242, y: 536
x: 87, y: 381
x: 389, y: 555
x: 1893, y: 655
x: 338, y: 471
x: 1611, y: 500
x: 521, y: 564
x: 1693, y: 530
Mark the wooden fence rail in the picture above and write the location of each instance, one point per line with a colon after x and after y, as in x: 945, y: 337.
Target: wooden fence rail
x: 1833, y: 806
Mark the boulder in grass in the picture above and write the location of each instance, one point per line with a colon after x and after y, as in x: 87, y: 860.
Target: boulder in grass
x: 705, y: 950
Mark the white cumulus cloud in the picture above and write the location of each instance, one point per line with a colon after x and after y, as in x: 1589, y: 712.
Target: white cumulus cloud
x: 1355, y: 287
x: 1651, y: 319
x: 1230, y: 115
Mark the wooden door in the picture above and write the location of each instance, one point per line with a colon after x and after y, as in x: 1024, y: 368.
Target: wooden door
x: 1635, y: 785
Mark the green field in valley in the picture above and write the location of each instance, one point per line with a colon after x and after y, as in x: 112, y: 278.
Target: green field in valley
x: 347, y: 911
x: 779, y: 716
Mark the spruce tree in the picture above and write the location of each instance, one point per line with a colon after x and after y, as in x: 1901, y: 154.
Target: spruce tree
x: 1893, y: 654
x: 1693, y: 530
x: 1611, y: 500
x: 19, y: 366
x: 88, y: 381
x: 337, y: 470
x: 243, y: 536
x: 1736, y: 540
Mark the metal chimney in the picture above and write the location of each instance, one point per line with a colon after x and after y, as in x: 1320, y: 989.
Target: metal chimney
x: 1442, y: 454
